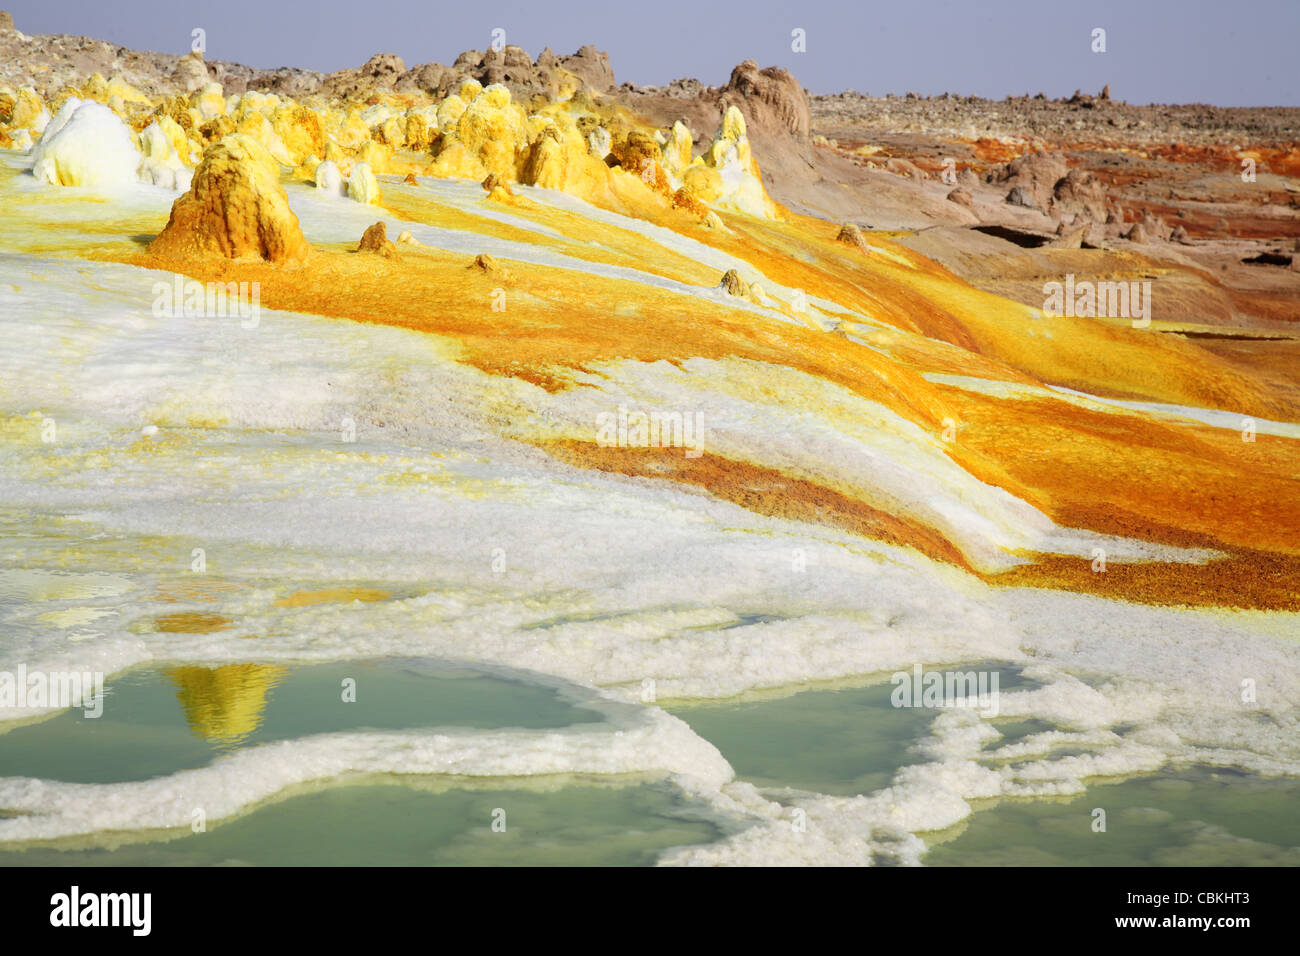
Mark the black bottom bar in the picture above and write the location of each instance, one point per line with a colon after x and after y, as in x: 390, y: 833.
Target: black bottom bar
x: 954, y: 905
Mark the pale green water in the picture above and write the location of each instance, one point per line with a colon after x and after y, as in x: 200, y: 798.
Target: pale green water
x: 843, y: 741
x: 146, y: 729
x: 850, y: 741
x: 400, y: 824
x: 160, y: 720
x: 1195, y: 817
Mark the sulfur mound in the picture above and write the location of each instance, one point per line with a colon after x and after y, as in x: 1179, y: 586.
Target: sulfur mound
x: 740, y: 182
x: 28, y: 112
x: 235, y: 209
x: 488, y: 137
x: 851, y: 235
x: 209, y: 100
x: 677, y: 150
x: 90, y: 147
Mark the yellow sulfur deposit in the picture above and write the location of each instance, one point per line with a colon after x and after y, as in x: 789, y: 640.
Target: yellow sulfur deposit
x: 28, y: 111
x: 300, y: 130
x: 677, y: 150
x: 493, y: 134
x: 376, y: 156
x: 209, y: 101
x: 236, y: 209
x: 741, y: 182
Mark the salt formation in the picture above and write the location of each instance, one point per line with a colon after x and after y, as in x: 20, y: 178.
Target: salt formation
x: 28, y: 112
x: 362, y: 185
x: 258, y: 127
x: 677, y: 151
x: 236, y: 209
x: 450, y: 111
x: 421, y: 128
x: 209, y: 101
x: 189, y: 151
x: 575, y: 145
x: 376, y: 156
x: 161, y: 164
x: 561, y: 157
x: 741, y: 183
x: 335, y: 154
x: 299, y: 130
x: 712, y: 220
x: 487, y: 137
x: 329, y: 180
x: 598, y: 142
x: 88, y: 146
x: 822, y: 431
x: 60, y: 119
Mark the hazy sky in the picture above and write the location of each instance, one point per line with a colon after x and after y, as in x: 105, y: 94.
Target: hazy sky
x: 1157, y: 51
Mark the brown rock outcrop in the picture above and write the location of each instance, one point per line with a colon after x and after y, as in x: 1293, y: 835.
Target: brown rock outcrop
x: 592, y: 67
x: 733, y: 283
x: 771, y: 100
x: 852, y: 235
x: 1031, y: 179
x: 375, y: 239
x: 1080, y: 191
x: 381, y: 71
